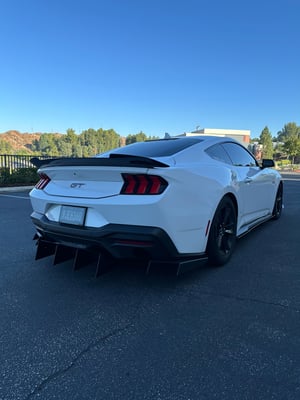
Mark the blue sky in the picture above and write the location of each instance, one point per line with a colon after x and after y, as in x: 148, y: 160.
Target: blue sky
x: 151, y: 65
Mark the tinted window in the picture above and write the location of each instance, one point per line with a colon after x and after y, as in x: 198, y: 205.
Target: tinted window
x: 239, y: 155
x: 217, y: 152
x: 157, y: 148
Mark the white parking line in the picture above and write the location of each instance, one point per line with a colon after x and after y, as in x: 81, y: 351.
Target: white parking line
x: 292, y: 179
x: 15, y: 197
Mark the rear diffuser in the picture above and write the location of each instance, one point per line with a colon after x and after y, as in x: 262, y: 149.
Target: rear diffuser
x: 81, y: 257
x: 103, y: 261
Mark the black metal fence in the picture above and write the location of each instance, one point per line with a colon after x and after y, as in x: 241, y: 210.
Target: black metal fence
x: 13, y: 162
x: 17, y: 170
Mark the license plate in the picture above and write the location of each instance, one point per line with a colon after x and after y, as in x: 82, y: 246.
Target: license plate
x: 72, y: 215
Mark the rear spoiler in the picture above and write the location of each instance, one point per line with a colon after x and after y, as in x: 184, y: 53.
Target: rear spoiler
x: 114, y: 160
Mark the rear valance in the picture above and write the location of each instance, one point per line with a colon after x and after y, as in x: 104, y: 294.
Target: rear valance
x: 114, y: 160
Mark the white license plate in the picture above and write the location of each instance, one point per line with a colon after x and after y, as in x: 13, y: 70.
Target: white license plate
x: 72, y: 215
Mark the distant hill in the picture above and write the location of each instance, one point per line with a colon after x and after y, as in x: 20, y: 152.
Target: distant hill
x: 19, y: 141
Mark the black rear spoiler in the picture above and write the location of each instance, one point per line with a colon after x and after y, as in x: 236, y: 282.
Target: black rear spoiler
x: 114, y: 160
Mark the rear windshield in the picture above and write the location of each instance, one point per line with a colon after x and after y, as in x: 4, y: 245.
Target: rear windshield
x: 157, y: 148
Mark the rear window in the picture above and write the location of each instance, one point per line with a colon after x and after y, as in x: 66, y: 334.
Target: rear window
x: 157, y: 148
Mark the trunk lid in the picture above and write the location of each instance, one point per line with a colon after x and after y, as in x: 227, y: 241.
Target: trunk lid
x: 93, y: 178
x: 86, y: 182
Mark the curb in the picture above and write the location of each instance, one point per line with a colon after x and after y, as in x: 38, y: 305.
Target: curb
x: 15, y: 188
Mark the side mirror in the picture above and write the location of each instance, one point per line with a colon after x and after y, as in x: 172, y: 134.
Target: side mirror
x: 266, y: 163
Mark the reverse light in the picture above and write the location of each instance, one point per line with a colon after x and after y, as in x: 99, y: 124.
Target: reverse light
x: 43, y: 182
x: 143, y: 184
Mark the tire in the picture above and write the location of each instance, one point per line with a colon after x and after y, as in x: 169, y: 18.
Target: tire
x: 276, y: 214
x: 222, y: 235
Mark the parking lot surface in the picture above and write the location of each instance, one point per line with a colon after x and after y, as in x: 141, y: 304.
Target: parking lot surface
x: 213, y: 333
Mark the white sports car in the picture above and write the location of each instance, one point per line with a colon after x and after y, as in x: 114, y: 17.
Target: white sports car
x: 178, y: 199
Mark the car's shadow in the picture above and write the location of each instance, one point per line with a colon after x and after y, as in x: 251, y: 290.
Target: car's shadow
x: 162, y: 275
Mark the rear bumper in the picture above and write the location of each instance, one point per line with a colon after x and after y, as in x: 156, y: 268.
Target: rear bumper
x: 120, y: 241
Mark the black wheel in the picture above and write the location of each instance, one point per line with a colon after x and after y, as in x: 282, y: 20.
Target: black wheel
x: 278, y: 203
x: 222, y: 235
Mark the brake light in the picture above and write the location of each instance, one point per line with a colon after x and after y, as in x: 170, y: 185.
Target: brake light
x: 43, y: 182
x: 143, y: 184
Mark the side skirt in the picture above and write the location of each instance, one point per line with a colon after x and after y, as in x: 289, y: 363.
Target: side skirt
x: 254, y: 225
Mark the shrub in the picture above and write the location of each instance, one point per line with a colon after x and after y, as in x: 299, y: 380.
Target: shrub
x: 4, y: 175
x: 20, y: 176
x: 283, y: 163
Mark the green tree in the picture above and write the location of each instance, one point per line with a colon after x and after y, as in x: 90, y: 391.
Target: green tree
x: 107, y: 140
x: 152, y: 137
x: 138, y: 137
x: 266, y: 140
x: 289, y: 130
x: 93, y: 142
x: 71, y: 134
x: 89, y: 142
x: 65, y: 148
x: 48, y: 144
x: 289, y: 136
x: 71, y: 137
x: 292, y: 147
x: 68, y: 145
x: 35, y: 146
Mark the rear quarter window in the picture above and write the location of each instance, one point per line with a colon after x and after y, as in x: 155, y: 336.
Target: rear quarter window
x: 218, y: 153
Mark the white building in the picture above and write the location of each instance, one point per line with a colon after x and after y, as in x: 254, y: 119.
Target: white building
x: 241, y: 135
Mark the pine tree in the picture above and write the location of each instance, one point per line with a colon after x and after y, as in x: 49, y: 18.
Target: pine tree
x: 266, y: 140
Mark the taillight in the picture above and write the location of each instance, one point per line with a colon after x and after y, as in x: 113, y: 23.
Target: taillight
x: 143, y: 184
x: 43, y: 182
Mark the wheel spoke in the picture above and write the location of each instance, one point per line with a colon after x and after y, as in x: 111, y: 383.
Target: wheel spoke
x: 226, y: 243
x: 219, y: 240
x: 227, y: 215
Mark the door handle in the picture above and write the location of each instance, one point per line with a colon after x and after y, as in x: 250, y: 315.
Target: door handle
x: 247, y: 180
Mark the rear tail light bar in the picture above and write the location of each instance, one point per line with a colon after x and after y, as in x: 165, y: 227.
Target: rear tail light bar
x: 43, y: 182
x: 143, y: 184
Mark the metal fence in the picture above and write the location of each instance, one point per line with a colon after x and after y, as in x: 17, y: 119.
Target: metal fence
x: 12, y: 162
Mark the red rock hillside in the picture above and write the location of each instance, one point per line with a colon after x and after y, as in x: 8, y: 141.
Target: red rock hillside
x: 19, y: 141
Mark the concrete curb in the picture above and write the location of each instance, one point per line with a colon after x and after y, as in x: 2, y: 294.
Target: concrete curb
x: 15, y: 188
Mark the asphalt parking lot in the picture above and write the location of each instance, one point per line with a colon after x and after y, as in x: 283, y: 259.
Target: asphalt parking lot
x: 213, y: 333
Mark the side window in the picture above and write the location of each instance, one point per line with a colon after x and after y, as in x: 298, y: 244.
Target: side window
x: 239, y: 155
x: 218, y: 153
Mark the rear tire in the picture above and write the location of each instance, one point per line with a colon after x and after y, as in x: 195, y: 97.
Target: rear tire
x: 222, y: 235
x: 276, y: 214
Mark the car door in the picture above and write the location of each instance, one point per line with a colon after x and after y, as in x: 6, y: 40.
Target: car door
x: 255, y: 185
